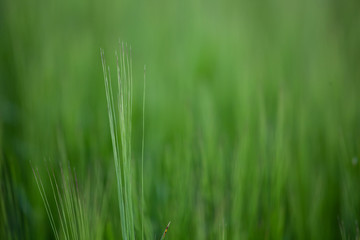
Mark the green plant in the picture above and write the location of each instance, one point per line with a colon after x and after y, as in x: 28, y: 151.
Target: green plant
x: 79, y: 213
x: 120, y: 121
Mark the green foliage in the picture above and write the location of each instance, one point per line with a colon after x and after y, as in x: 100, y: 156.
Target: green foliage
x: 73, y: 213
x: 251, y: 131
x: 120, y: 117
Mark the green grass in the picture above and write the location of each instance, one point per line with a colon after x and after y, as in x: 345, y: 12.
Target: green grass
x: 74, y: 212
x: 250, y: 129
x: 120, y: 117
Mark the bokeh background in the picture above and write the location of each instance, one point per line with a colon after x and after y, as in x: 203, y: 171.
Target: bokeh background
x: 252, y: 120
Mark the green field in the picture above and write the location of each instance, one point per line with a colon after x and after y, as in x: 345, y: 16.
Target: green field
x: 251, y: 119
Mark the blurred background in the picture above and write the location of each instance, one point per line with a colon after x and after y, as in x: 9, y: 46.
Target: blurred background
x: 252, y: 116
